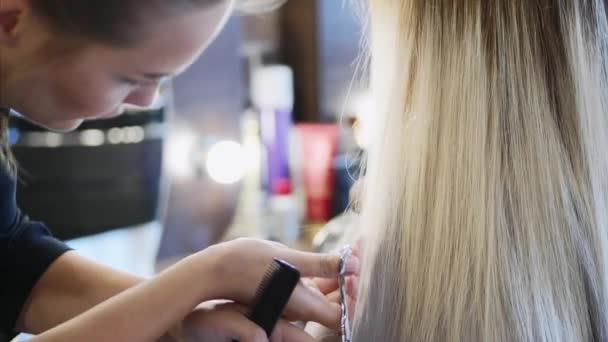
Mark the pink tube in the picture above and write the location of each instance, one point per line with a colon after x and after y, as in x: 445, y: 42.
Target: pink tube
x: 319, y: 147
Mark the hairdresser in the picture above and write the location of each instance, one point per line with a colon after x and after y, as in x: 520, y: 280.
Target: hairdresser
x: 65, y: 61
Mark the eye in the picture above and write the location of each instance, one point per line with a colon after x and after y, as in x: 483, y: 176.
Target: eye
x: 129, y: 81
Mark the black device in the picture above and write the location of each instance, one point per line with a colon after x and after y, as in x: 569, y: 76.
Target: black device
x: 273, y: 294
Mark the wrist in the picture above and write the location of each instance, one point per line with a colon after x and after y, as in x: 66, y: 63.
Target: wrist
x: 209, y: 274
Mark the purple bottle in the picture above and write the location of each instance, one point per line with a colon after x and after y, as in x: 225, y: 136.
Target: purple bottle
x: 272, y: 94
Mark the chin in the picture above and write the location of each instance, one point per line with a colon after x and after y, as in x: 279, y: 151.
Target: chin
x: 63, y: 126
x: 56, y: 126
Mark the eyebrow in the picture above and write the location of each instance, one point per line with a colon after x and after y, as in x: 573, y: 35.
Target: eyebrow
x: 157, y: 75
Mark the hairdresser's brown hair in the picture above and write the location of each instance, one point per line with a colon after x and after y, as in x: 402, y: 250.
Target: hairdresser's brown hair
x: 121, y: 22
x: 113, y: 22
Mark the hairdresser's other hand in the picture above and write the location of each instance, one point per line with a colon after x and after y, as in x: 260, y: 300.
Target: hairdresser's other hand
x: 227, y: 322
x: 329, y: 287
x: 240, y: 266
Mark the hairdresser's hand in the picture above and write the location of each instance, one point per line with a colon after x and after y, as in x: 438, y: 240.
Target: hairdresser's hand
x: 227, y: 322
x: 329, y: 286
x: 240, y: 265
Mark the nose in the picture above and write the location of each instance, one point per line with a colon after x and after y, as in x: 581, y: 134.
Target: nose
x: 143, y: 96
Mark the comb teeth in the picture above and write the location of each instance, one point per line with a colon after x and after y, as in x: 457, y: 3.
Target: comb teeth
x: 268, y: 275
x: 273, y: 294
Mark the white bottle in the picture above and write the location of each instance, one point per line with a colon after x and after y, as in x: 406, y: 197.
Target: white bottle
x: 284, y: 219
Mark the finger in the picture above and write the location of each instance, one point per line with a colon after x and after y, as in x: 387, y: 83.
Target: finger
x: 214, y: 303
x: 307, y: 304
x: 227, y: 322
x: 357, y: 248
x: 319, y: 265
x: 322, y: 333
x: 352, y: 286
x: 287, y: 332
x: 325, y: 285
x: 283, y: 331
x: 235, y: 319
x: 240, y: 328
x: 334, y: 297
x: 231, y: 306
x: 310, y: 282
x: 329, y: 286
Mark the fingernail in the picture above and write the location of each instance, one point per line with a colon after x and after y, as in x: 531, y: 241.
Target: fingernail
x: 353, y: 265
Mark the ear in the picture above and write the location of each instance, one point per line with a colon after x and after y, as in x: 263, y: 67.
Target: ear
x: 11, y: 12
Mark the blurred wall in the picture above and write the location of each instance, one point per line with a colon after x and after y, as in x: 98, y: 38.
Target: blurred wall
x: 208, y: 99
x: 339, y: 36
x: 320, y: 40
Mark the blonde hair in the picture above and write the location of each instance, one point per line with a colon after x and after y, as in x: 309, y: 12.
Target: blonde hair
x: 486, y: 192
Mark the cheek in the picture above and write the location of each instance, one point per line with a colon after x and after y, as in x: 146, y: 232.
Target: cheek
x: 89, y: 94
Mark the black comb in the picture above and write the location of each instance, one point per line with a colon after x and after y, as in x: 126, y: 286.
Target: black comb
x: 273, y: 294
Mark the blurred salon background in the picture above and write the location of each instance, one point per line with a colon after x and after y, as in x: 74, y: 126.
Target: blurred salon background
x: 261, y: 137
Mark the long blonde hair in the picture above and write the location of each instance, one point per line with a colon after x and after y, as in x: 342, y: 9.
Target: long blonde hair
x: 487, y: 182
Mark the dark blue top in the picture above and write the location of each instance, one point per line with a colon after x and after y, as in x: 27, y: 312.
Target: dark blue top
x: 27, y: 249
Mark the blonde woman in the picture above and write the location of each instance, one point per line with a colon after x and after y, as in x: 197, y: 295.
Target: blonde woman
x: 487, y: 181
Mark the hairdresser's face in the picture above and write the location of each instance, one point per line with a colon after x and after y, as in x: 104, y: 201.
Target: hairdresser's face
x: 95, y: 81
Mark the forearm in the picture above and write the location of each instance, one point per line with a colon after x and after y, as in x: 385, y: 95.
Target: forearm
x: 142, y: 313
x: 71, y: 286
